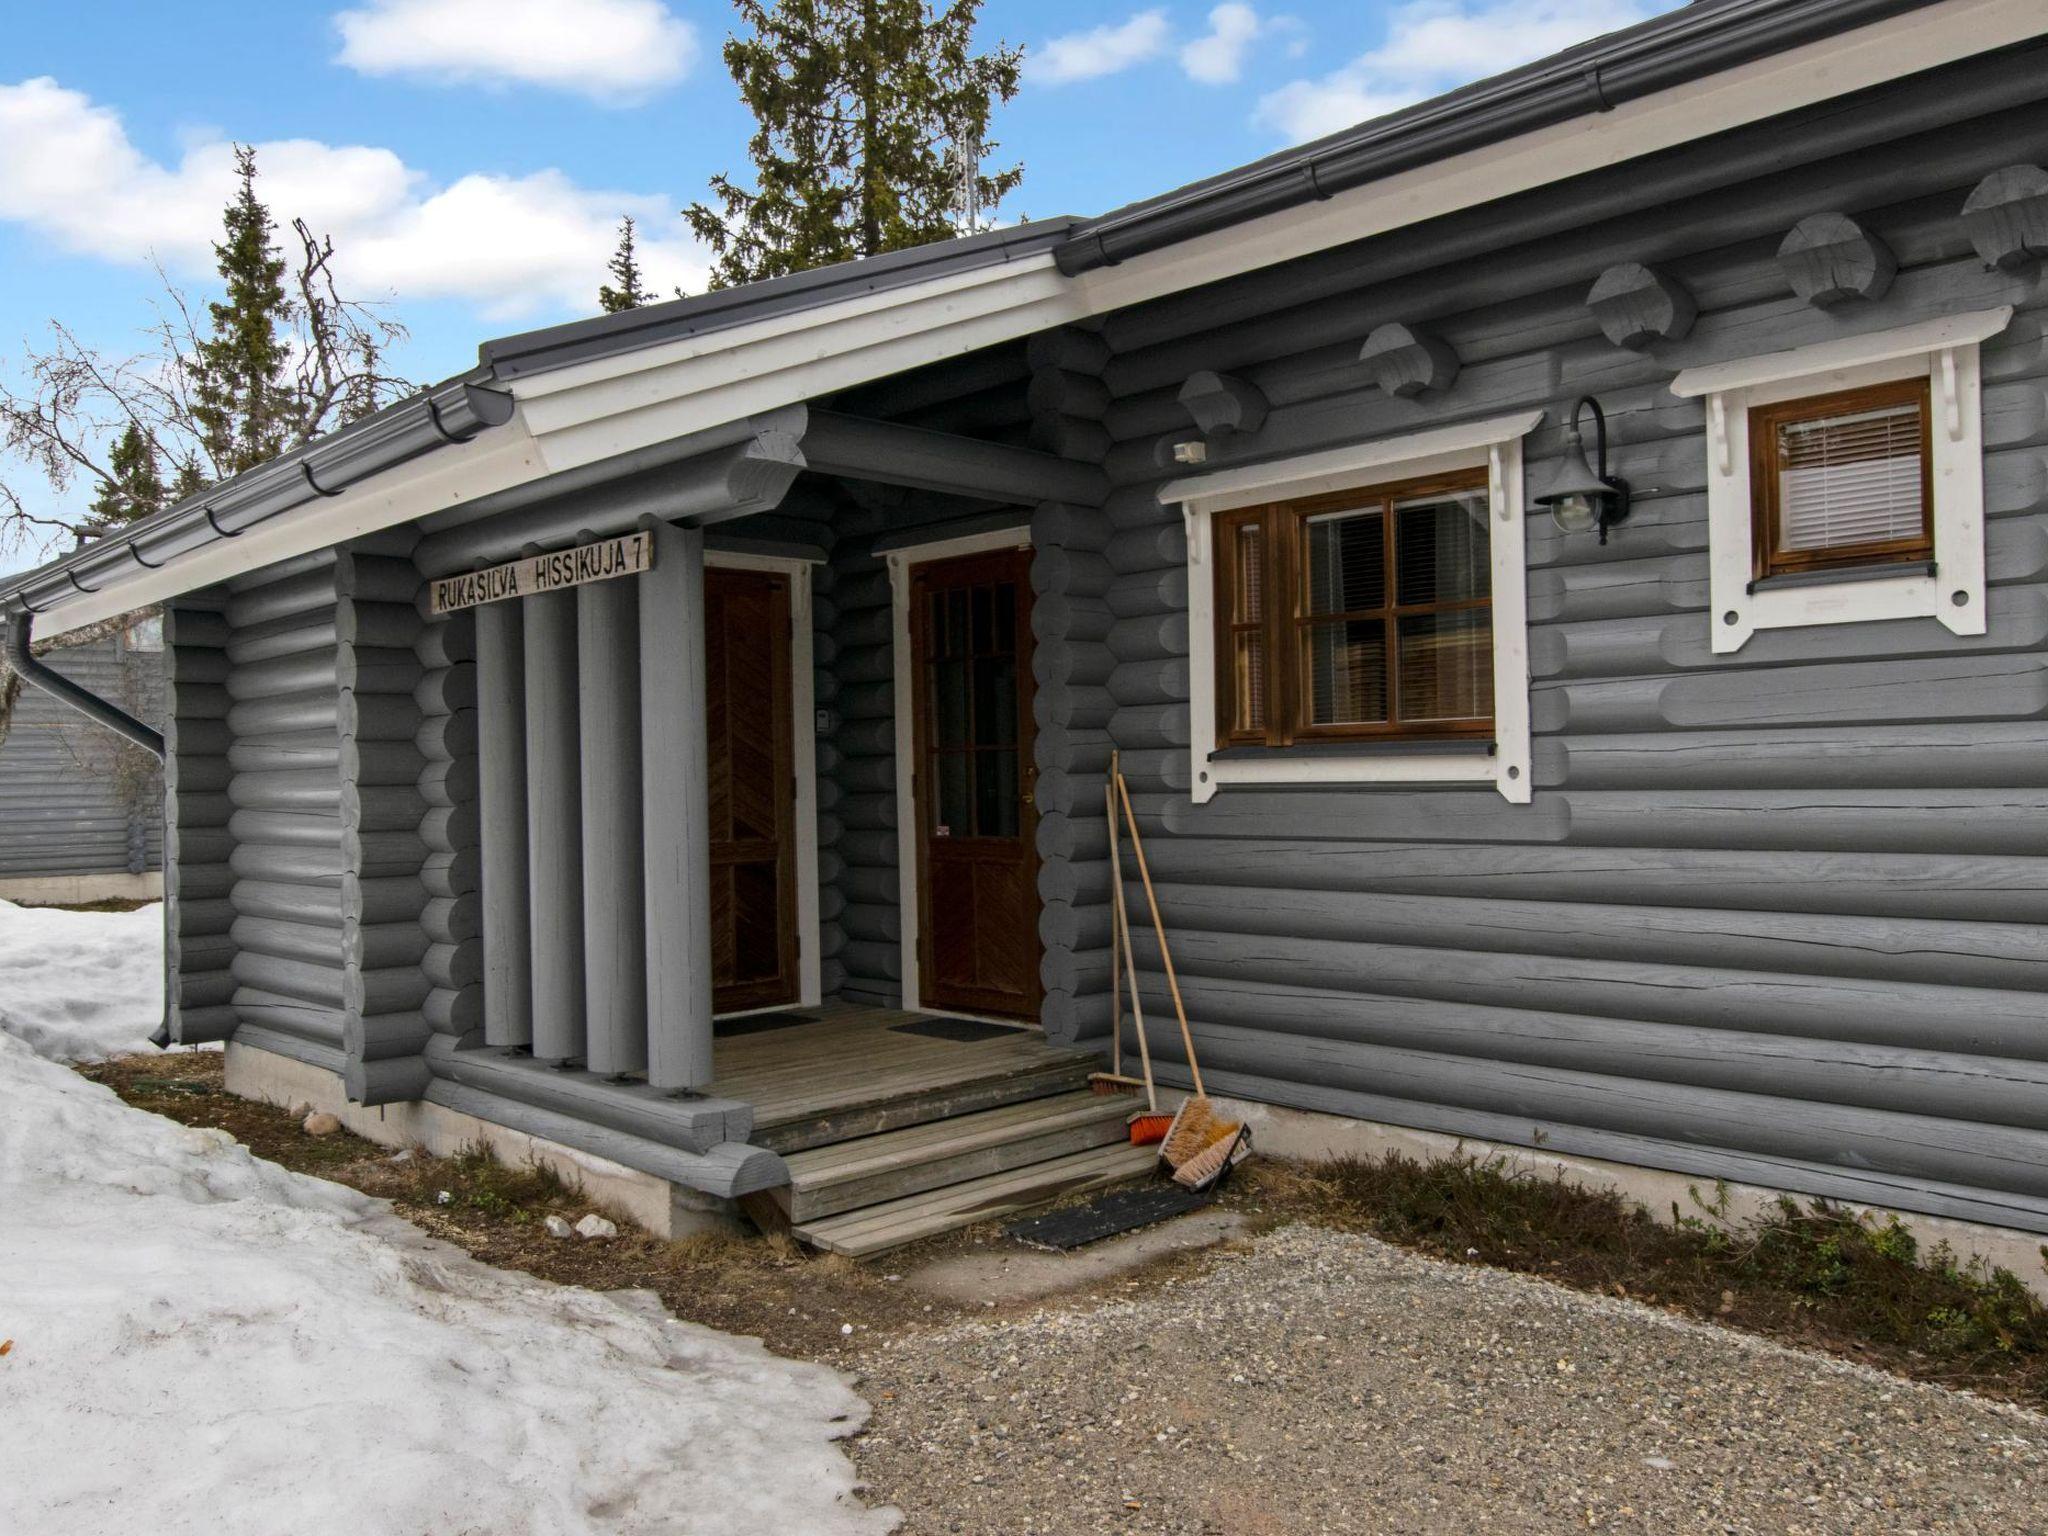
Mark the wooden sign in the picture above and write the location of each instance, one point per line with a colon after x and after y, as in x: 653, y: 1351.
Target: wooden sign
x: 625, y: 556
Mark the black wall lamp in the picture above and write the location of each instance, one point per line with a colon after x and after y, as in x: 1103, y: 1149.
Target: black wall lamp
x: 1580, y: 496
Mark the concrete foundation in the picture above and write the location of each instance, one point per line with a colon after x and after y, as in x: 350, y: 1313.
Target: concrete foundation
x: 76, y: 890
x: 654, y: 1204
x: 668, y: 1210
x: 1306, y: 1135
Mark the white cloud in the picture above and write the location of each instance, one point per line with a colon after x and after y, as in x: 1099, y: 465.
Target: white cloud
x: 1217, y: 58
x: 1434, y: 45
x: 1103, y: 50
x: 513, y: 246
x: 612, y: 50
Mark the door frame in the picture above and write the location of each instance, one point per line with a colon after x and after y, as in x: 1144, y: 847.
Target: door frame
x: 909, y: 869
x: 804, y: 747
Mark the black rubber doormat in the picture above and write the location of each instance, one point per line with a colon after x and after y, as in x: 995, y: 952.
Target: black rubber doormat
x: 757, y: 1023
x: 966, y: 1031
x: 1121, y: 1210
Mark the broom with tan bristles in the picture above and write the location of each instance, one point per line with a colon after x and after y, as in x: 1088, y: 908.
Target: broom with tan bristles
x: 1148, y: 1125
x: 1196, y: 1126
x: 1116, y: 1080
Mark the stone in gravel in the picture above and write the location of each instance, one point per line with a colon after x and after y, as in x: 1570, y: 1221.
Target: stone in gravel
x: 558, y: 1226
x: 595, y: 1225
x: 320, y: 1123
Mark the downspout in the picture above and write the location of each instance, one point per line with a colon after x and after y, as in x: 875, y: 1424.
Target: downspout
x: 20, y: 631
x: 22, y: 662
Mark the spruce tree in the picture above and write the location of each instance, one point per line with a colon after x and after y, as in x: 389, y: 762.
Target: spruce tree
x: 278, y: 360
x: 241, y: 402
x: 859, y: 105
x: 134, y: 486
x: 632, y: 290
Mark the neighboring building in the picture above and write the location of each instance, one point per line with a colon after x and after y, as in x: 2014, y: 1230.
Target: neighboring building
x: 1715, y: 840
x: 81, y: 811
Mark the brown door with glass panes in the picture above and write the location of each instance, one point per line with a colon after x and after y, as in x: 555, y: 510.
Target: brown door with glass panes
x: 973, y: 780
x: 753, y: 790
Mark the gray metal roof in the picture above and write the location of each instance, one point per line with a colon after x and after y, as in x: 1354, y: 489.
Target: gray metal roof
x: 1687, y: 44
x: 451, y: 412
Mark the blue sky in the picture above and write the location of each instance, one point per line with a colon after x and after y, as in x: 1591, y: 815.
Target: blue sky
x: 471, y: 157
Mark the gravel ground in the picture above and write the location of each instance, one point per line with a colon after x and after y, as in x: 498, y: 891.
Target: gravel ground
x: 1313, y: 1381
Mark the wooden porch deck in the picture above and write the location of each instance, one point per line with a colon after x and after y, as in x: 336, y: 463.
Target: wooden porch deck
x: 815, y: 1083
x: 891, y: 1137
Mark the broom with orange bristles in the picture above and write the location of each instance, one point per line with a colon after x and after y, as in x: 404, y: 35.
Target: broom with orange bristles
x: 1196, y: 1129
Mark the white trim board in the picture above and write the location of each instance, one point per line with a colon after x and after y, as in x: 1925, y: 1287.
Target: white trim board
x: 1336, y: 469
x: 1945, y: 352
x: 1496, y: 444
x: 803, y: 688
x: 1842, y: 352
x: 900, y: 561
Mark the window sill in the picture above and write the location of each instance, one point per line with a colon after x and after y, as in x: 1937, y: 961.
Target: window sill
x: 1312, y: 751
x: 1431, y: 763
x: 1792, y: 581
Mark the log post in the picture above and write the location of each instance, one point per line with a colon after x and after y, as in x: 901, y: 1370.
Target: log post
x: 554, y: 825
x: 614, y: 921
x: 676, y: 810
x: 501, y: 784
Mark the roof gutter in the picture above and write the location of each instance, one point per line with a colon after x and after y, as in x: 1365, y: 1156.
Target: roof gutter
x: 21, y: 659
x: 453, y: 412
x: 1696, y: 41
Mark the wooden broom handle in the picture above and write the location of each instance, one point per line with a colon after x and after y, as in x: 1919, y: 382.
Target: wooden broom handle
x: 1116, y: 975
x: 1120, y: 922
x: 1187, y: 1038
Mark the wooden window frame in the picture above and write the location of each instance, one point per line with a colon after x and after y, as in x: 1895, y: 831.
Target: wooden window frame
x: 1287, y: 623
x: 1767, y: 512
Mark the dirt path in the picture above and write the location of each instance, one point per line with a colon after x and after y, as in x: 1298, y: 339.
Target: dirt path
x: 1319, y: 1382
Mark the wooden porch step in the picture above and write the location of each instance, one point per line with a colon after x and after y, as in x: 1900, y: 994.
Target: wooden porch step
x: 877, y: 1228
x: 904, y: 1102
x: 847, y: 1175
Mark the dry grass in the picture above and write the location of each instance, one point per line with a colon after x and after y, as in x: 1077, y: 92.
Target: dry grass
x: 104, y: 904
x: 1811, y: 1274
x: 766, y: 1287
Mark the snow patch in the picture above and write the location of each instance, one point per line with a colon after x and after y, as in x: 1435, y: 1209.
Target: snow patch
x: 205, y: 1342
x: 81, y: 986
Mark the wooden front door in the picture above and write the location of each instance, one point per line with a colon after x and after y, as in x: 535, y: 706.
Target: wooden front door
x: 970, y: 623
x: 753, y: 790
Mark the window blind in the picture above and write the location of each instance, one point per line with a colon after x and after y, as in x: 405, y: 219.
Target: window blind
x: 1851, y: 479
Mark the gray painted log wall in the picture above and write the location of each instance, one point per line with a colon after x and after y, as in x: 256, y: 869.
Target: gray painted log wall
x: 451, y: 875
x: 867, y: 944
x: 199, y: 986
x: 280, y: 697
x: 75, y: 799
x: 1072, y: 662
x: 1771, y: 915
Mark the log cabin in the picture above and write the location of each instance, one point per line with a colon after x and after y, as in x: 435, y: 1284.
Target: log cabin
x: 1564, y: 567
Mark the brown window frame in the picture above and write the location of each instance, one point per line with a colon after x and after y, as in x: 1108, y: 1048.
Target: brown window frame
x: 1766, y: 512
x: 1286, y: 623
